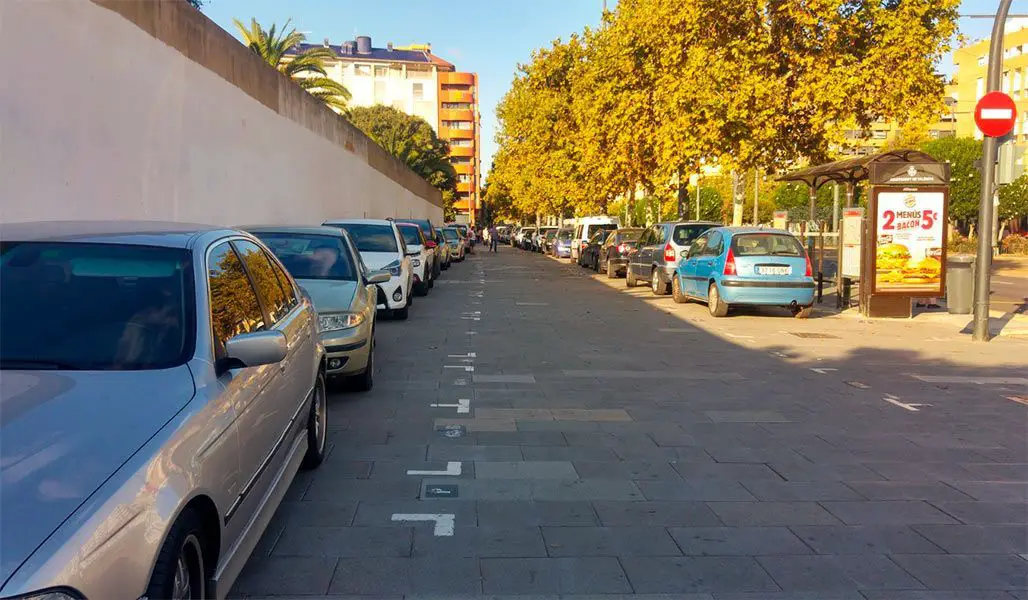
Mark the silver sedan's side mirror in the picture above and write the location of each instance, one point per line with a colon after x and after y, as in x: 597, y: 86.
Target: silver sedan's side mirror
x: 256, y: 349
x: 378, y: 277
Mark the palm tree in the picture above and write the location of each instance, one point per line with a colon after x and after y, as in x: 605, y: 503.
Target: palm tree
x: 306, y: 67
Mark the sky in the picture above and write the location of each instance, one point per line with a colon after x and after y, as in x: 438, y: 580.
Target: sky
x: 488, y: 37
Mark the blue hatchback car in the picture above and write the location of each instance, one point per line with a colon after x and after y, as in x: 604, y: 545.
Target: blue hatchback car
x: 733, y: 266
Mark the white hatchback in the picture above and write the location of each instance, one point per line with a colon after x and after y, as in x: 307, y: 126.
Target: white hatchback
x: 585, y: 228
x: 382, y: 249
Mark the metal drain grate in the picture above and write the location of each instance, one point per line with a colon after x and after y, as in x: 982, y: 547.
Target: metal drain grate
x: 815, y: 336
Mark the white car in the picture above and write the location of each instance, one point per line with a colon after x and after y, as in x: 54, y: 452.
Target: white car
x: 382, y: 249
x: 422, y: 256
x: 585, y: 228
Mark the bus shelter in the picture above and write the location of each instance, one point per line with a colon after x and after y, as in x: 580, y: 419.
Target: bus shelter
x: 896, y: 249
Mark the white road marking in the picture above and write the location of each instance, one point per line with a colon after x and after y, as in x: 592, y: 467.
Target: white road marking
x: 467, y: 368
x: 453, y: 469
x: 780, y: 355
x: 532, y: 303
x: 460, y: 381
x: 473, y: 313
x: 823, y: 370
x: 859, y: 385
x: 462, y: 406
x: 471, y: 318
x: 972, y: 380
x: 894, y: 400
x: 471, y: 333
x: 444, y: 523
x: 468, y: 355
x: 1018, y: 399
x: 740, y: 337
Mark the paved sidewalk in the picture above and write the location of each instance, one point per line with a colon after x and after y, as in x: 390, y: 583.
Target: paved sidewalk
x: 592, y: 441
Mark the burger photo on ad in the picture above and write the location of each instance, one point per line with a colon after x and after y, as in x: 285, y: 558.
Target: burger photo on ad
x: 890, y: 260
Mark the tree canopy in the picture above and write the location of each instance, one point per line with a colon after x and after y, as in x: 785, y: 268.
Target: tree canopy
x: 410, y: 139
x: 664, y: 86
x: 306, y: 68
x: 965, y: 178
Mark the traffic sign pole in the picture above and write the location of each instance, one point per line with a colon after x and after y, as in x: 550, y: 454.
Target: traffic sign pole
x: 985, y: 208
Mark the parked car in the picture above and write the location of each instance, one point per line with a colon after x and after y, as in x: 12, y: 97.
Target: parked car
x: 526, y: 235
x: 514, y: 235
x: 732, y: 266
x: 454, y: 243
x: 545, y: 236
x: 615, y: 250
x: 586, y: 228
x: 658, y: 252
x: 589, y: 255
x: 162, y: 385
x: 381, y: 247
x: 429, y: 231
x: 422, y: 255
x: 324, y: 261
x: 441, y: 242
x: 561, y: 247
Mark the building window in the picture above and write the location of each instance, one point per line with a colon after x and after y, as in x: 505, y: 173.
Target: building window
x: 362, y: 70
x: 979, y: 89
x: 381, y: 71
x: 981, y: 61
x: 457, y: 105
x: 462, y: 143
x: 460, y: 160
x: 880, y: 135
x: 462, y: 178
x: 466, y: 125
x: 419, y: 91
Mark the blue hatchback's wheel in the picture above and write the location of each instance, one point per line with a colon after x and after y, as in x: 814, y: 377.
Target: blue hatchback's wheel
x: 715, y: 304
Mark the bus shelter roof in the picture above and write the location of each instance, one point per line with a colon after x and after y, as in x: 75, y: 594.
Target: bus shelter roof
x: 852, y: 170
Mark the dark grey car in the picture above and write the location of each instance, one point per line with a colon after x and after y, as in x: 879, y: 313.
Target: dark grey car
x: 659, y: 250
x: 161, y: 385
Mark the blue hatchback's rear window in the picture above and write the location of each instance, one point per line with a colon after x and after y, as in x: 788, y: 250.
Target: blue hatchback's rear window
x: 766, y: 244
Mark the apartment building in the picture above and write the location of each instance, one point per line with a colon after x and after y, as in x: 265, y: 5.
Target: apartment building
x: 971, y: 65
x: 417, y: 82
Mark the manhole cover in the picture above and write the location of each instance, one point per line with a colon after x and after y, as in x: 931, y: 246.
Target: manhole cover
x: 452, y: 431
x: 441, y: 491
x: 814, y: 336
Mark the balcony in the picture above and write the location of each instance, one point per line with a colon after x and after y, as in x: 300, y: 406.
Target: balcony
x: 456, y: 96
x: 464, y: 205
x: 448, y: 133
x: 464, y: 169
x: 464, y: 187
x: 458, y: 78
x: 462, y: 151
x: 449, y: 114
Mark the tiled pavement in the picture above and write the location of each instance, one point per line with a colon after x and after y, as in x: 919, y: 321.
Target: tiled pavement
x: 614, y: 449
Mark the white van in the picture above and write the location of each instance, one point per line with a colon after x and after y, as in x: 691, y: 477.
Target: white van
x: 586, y: 227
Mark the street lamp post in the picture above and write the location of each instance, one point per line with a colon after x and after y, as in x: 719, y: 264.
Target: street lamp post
x: 985, y: 207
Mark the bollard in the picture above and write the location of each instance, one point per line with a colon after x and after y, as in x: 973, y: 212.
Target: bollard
x: 820, y: 285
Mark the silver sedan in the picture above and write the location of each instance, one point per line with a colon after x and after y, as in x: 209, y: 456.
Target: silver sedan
x: 161, y: 385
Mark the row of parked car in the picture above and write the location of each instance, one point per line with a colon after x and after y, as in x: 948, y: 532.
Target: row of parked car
x: 163, y: 383
x: 689, y: 260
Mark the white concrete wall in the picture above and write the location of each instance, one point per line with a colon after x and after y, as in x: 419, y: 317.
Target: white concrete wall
x: 104, y: 121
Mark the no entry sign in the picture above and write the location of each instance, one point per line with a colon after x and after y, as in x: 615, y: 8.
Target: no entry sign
x: 995, y: 114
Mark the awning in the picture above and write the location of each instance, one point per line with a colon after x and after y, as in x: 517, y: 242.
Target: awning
x: 852, y: 170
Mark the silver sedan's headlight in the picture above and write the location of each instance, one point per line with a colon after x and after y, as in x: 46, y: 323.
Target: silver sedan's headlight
x: 337, y: 321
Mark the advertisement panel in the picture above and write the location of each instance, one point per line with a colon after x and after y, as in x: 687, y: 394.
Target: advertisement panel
x: 852, y: 232
x: 910, y: 241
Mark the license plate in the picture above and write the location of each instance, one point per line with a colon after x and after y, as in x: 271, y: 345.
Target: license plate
x: 774, y: 270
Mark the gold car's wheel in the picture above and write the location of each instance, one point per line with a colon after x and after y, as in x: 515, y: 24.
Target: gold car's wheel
x: 179, y: 572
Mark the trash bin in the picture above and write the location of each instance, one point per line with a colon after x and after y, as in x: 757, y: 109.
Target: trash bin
x: 960, y: 284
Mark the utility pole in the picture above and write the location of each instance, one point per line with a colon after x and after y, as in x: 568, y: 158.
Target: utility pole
x: 985, y: 207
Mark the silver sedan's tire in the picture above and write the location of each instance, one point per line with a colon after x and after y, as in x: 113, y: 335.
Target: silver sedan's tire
x: 180, y: 572
x: 317, y: 426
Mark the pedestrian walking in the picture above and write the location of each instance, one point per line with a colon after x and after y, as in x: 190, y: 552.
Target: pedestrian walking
x: 493, y: 238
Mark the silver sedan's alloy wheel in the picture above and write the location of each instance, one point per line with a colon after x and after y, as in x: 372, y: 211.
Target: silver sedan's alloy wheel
x: 188, y: 581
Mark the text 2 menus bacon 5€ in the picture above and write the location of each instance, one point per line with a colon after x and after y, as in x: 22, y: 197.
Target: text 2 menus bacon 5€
x: 909, y: 235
